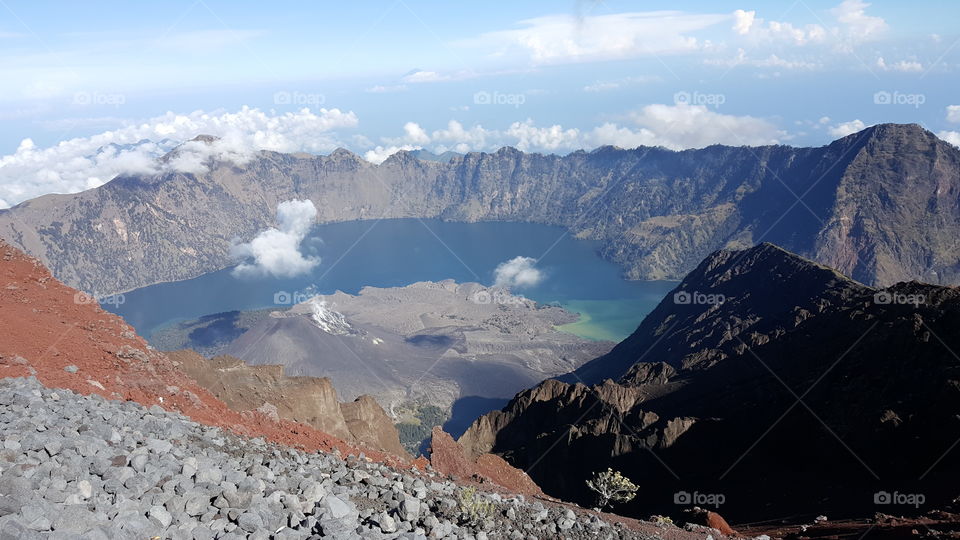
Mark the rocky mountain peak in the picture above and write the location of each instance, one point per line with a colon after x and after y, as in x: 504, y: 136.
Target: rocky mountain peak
x: 209, y: 139
x: 344, y: 154
x: 758, y: 287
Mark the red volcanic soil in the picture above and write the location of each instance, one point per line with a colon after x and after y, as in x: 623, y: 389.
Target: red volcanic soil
x: 449, y: 458
x: 67, y: 341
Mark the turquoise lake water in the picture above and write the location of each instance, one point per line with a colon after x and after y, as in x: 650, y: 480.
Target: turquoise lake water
x: 397, y: 252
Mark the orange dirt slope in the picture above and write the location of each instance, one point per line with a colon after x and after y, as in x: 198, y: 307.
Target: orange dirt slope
x: 67, y: 341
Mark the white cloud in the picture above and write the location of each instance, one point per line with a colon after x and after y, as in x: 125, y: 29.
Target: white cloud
x: 276, y: 251
x: 743, y: 20
x: 421, y: 76
x: 756, y: 29
x: 386, y: 89
x: 907, y: 66
x: 602, y: 86
x: 566, y: 38
x: 458, y: 139
x: 953, y: 114
x: 952, y: 137
x: 858, y: 25
x: 853, y: 26
x: 846, y: 128
x: 85, y: 162
x: 778, y: 42
x: 530, y: 137
x: 692, y: 126
x: 414, y: 133
x: 770, y: 61
x: 672, y: 126
x: 517, y: 273
x: 380, y: 154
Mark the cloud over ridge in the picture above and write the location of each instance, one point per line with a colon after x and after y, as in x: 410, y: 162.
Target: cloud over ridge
x: 87, y: 162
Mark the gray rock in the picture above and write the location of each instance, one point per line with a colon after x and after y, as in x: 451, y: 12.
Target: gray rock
x: 160, y: 516
x: 102, y: 469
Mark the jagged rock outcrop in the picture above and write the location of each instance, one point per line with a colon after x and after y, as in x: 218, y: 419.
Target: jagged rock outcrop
x: 880, y: 205
x: 369, y: 425
x: 448, y: 457
x: 307, y: 400
x: 799, y: 377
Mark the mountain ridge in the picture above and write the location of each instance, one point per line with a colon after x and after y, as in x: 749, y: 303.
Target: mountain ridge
x: 656, y: 212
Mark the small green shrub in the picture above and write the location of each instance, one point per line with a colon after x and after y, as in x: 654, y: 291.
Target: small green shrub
x: 612, y: 487
x: 474, y: 507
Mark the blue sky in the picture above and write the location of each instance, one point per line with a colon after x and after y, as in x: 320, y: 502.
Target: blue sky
x: 543, y: 76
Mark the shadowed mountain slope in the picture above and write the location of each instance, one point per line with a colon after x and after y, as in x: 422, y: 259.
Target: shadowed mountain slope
x: 801, y: 392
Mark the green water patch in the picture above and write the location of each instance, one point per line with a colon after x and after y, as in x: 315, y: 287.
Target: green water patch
x: 610, y: 320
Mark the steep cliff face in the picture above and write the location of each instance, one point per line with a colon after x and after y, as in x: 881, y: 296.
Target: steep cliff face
x: 369, y: 425
x: 880, y: 205
x: 894, y: 211
x: 800, y: 377
x: 307, y: 400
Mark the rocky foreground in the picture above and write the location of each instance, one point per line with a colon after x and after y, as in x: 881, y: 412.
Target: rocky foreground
x: 74, y: 466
